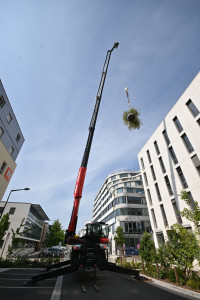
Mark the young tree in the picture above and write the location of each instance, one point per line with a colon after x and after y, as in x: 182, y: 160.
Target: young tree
x: 4, y: 225
x: 120, y: 240
x: 192, y: 215
x: 147, y: 249
x: 183, y: 247
x: 55, y: 234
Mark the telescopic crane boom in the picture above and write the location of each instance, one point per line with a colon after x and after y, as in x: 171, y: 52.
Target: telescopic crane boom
x: 82, y: 171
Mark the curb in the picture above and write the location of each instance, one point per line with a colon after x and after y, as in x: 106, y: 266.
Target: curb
x: 173, y: 287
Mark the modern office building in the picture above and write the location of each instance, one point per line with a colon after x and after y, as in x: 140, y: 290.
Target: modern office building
x: 32, y: 233
x: 11, y: 141
x: 170, y: 162
x: 121, y: 202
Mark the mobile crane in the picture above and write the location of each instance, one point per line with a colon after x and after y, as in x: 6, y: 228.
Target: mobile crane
x: 88, y: 251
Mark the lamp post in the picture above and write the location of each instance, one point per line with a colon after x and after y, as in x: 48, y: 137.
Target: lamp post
x: 25, y: 189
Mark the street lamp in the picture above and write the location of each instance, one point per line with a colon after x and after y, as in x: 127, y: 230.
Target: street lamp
x: 25, y: 189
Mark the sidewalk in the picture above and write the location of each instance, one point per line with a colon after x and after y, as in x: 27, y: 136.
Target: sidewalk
x: 172, y: 287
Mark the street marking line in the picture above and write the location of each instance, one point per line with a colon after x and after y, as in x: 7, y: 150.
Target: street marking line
x: 57, y: 289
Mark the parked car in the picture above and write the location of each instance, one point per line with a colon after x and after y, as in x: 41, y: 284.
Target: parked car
x: 132, y: 251
x: 54, y: 252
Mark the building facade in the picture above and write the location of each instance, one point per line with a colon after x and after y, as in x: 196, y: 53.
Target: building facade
x: 11, y: 141
x: 121, y: 202
x: 170, y: 162
x: 32, y: 235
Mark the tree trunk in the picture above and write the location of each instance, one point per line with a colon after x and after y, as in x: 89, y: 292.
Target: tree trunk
x: 176, y: 275
x: 157, y: 271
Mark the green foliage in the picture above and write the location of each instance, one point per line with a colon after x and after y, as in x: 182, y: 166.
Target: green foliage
x: 119, y: 237
x: 136, y: 123
x: 55, y: 234
x: 191, y: 215
x: 4, y: 225
x: 182, y: 246
x: 147, y: 249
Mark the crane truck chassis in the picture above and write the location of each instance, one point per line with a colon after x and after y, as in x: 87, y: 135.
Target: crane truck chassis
x: 88, y: 251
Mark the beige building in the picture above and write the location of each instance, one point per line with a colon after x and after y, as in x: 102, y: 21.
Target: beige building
x: 7, y: 168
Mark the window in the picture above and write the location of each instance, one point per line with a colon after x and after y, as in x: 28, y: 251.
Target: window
x: 120, y: 190
x: 1, y: 132
x: 123, y: 175
x: 163, y: 215
x: 18, y: 137
x: 187, y: 143
x: 176, y: 211
x: 191, y: 200
x: 160, y: 238
x: 153, y: 173
x: 192, y: 107
x: 166, y: 137
x: 149, y: 197
x: 122, y: 200
x: 130, y: 190
x: 127, y: 184
x: 145, y: 179
x: 162, y: 164
x: 196, y: 162
x: 2, y: 101
x: 142, y: 163
x: 2, y: 168
x: 113, y: 177
x: 139, y: 191
x: 138, y: 183
x: 158, y: 192
x: 11, y: 150
x: 182, y: 177
x: 154, y: 218
x: 168, y: 185
x: 12, y: 210
x: 149, y: 156
x: 156, y: 147
x: 9, y: 118
x: 173, y: 155
x: 178, y: 124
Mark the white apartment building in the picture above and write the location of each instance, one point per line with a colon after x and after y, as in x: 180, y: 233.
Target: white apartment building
x: 32, y: 234
x: 121, y: 202
x: 170, y: 162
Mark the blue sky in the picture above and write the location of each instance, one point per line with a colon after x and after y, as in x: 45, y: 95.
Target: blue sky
x: 51, y: 58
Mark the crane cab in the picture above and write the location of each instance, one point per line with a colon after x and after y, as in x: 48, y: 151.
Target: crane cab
x: 97, y: 232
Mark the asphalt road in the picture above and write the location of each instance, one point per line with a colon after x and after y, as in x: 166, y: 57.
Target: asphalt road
x: 112, y: 286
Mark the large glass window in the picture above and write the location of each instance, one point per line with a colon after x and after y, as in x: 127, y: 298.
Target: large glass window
x: 158, y: 192
x: 135, y: 200
x: 187, y: 143
x: 173, y: 155
x: 196, y: 162
x: 130, y: 190
x: 142, y: 163
x: 166, y: 137
x: 156, y: 147
x: 149, y: 156
x: 120, y: 190
x: 145, y: 179
x: 123, y: 175
x: 192, y: 107
x: 178, y: 124
x: 139, y: 191
x: 149, y: 197
x: 164, y: 215
x: 154, y: 218
x: 153, y: 173
x: 162, y: 164
x: 176, y: 211
x: 182, y: 177
x: 168, y: 185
